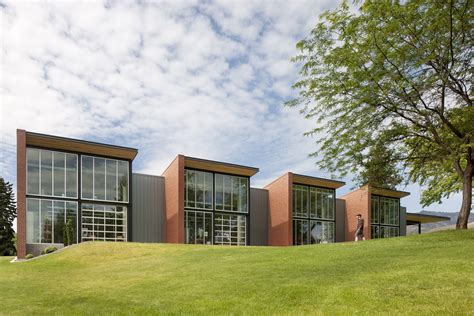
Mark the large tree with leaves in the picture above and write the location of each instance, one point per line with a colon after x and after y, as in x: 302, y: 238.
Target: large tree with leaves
x: 401, y: 72
x: 7, y: 215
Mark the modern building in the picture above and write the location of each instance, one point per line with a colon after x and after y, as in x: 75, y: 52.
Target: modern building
x: 381, y: 208
x: 303, y: 210
x: 63, y: 182
x: 91, y: 188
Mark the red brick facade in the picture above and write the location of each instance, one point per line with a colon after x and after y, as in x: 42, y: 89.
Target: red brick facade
x: 357, y: 202
x: 174, y: 200
x: 280, y: 202
x: 21, y: 192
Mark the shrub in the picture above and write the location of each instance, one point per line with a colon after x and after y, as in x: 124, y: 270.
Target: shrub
x: 68, y: 232
x: 29, y: 256
x: 49, y: 249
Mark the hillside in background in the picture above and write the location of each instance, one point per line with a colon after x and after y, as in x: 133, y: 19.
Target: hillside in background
x: 415, y: 275
x: 431, y: 227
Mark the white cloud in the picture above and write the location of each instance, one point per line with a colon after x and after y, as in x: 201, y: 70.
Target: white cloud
x: 205, y: 79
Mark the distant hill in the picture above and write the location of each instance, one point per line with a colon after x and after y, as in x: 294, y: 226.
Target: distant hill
x: 431, y: 227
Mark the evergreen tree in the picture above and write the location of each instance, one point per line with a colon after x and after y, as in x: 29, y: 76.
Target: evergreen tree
x: 7, y: 215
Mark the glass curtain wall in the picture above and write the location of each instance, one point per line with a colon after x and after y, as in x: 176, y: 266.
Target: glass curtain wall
x: 52, y: 180
x: 46, y: 220
x: 384, y: 217
x: 216, y: 208
x: 104, y: 179
x: 51, y: 173
x: 103, y: 222
x: 313, y: 215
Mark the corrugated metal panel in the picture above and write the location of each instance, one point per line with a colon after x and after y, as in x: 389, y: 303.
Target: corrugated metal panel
x: 258, y: 217
x: 148, y: 212
x: 340, y: 220
x: 403, y: 221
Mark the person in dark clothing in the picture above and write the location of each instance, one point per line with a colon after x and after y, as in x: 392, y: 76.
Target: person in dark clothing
x: 360, y: 228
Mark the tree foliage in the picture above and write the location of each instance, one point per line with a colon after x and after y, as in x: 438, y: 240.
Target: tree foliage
x: 379, y: 169
x: 397, y: 72
x: 7, y: 215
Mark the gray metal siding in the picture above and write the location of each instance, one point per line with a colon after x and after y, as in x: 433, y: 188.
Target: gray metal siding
x: 258, y: 217
x: 148, y: 208
x: 340, y: 220
x: 403, y: 221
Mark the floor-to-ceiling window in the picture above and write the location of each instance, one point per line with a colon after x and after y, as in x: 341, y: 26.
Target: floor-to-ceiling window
x: 51, y: 195
x: 105, y: 197
x: 216, y: 208
x: 54, y: 197
x: 384, y: 217
x: 313, y: 215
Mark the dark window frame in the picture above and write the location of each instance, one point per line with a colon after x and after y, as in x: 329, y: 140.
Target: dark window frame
x: 308, y: 218
x: 213, y: 210
x: 378, y: 225
x: 79, y: 199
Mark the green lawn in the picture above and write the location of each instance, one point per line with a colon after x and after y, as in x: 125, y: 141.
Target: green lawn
x: 426, y: 274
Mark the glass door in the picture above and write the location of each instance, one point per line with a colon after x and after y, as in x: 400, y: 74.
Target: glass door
x: 198, y: 227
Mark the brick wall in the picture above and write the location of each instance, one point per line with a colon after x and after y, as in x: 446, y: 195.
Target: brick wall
x: 280, y: 228
x: 174, y: 200
x: 357, y: 202
x: 21, y: 192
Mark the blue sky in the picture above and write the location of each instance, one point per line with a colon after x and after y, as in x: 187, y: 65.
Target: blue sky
x: 200, y: 78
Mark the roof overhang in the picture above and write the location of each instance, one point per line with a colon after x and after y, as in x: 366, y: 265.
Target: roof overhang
x: 389, y: 193
x: 318, y: 182
x: 425, y: 218
x: 79, y: 146
x: 218, y: 166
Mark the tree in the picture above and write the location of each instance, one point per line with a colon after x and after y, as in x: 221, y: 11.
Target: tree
x: 400, y: 72
x: 7, y: 215
x: 379, y: 168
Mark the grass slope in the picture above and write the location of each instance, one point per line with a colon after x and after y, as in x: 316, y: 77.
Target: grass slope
x: 426, y: 274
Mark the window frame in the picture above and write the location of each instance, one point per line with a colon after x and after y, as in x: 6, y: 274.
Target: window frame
x: 52, y: 174
x: 125, y: 218
x: 105, y: 180
x: 195, y: 195
x: 52, y: 219
x: 377, y: 226
x: 214, y: 211
x: 223, y: 191
x: 308, y: 217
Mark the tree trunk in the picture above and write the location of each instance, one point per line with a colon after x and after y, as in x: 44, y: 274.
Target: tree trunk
x: 465, y: 210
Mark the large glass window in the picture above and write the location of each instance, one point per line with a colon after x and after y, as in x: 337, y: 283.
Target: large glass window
x: 51, y: 173
x: 215, y: 225
x: 198, y: 189
x: 46, y: 220
x: 231, y: 193
x: 310, y: 203
x: 300, y: 200
x: 322, y: 232
x: 230, y: 229
x: 321, y: 203
x: 385, y: 217
x: 104, y: 222
x: 300, y: 232
x: 33, y: 171
x: 104, y: 179
x: 198, y: 227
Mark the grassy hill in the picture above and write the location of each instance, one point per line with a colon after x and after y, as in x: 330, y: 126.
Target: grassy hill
x: 425, y: 274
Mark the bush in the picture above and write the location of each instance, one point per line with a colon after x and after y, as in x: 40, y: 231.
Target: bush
x: 29, y: 256
x: 68, y: 232
x: 49, y: 249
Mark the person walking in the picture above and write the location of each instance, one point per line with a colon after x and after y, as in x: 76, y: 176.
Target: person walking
x: 360, y: 228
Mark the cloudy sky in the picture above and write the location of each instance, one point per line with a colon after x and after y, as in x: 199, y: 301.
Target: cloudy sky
x: 204, y: 79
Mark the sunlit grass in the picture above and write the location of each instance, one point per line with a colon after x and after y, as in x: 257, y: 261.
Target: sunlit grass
x: 426, y: 274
